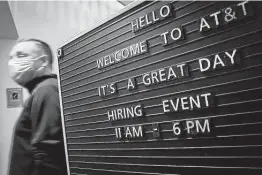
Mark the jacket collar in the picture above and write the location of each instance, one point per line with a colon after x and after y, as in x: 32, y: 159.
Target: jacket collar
x: 32, y: 84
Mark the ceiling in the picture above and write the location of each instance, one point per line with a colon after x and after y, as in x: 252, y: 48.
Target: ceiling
x: 7, y: 25
x: 125, y: 2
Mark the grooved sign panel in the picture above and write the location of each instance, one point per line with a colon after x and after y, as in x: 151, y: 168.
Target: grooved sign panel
x: 166, y: 88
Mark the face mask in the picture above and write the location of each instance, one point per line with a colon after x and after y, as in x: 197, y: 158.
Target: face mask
x: 22, y: 69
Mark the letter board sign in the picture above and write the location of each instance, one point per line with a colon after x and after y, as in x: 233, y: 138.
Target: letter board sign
x: 166, y: 87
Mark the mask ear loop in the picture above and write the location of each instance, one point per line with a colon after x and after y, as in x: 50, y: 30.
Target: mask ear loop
x: 44, y: 64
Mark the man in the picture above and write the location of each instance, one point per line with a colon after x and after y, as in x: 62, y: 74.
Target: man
x: 38, y: 147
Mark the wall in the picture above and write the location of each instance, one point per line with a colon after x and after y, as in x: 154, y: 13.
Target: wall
x: 53, y: 22
x: 8, y: 30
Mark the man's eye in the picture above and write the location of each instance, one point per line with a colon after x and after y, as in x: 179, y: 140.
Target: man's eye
x: 21, y: 55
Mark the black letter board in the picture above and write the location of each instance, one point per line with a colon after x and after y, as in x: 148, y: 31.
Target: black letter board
x: 166, y: 87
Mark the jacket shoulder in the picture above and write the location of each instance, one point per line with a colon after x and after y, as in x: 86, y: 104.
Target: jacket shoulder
x: 49, y: 85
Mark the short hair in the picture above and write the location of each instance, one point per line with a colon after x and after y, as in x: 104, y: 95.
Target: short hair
x: 44, y: 46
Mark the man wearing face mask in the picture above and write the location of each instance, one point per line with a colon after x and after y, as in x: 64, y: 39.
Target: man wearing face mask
x: 38, y: 147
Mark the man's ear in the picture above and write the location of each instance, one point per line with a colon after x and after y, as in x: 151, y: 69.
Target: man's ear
x: 45, y: 61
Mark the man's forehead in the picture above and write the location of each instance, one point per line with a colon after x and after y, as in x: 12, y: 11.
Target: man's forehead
x: 26, y: 47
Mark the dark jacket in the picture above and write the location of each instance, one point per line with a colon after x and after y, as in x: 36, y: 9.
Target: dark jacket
x: 38, y: 147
